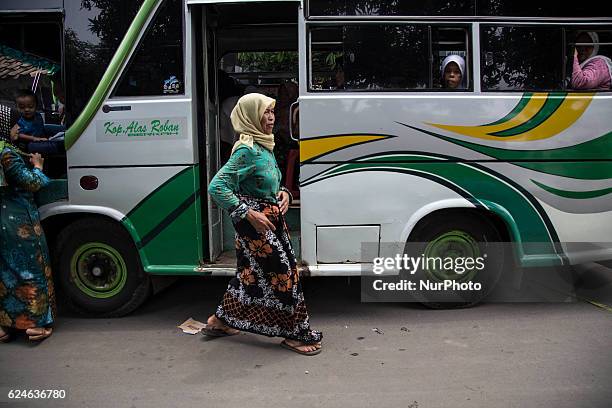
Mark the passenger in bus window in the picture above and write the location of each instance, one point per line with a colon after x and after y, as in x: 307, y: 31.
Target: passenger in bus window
x: 591, y: 71
x: 453, y: 72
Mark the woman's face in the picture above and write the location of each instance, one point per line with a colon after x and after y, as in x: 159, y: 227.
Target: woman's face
x: 267, y: 120
x: 452, y: 75
x: 584, y: 51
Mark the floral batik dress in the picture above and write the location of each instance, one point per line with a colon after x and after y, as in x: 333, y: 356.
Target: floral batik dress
x: 26, y: 289
x: 265, y: 296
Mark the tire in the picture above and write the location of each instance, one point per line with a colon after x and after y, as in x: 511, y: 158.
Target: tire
x: 454, y: 236
x: 98, y: 269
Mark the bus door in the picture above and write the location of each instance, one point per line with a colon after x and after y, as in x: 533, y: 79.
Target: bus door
x: 214, y: 13
x: 209, y: 74
x: 139, y: 144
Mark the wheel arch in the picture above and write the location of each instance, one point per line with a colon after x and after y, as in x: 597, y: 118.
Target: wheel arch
x: 57, y: 216
x: 495, y: 215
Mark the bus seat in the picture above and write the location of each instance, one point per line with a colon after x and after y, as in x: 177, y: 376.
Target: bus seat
x: 6, y: 122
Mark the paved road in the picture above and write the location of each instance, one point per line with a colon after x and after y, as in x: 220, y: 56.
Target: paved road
x: 493, y: 355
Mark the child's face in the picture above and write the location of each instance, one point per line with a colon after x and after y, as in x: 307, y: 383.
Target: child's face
x: 26, y: 105
x: 452, y: 75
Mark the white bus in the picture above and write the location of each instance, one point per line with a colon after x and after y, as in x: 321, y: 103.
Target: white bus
x: 386, y: 154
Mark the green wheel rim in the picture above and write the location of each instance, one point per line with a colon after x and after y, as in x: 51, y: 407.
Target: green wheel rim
x: 452, y: 244
x: 98, y: 270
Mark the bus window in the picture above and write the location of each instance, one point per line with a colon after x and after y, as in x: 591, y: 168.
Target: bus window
x: 391, y: 8
x: 93, y: 31
x: 448, y: 41
x: 31, y: 50
x: 541, y: 8
x: 349, y: 57
x: 520, y: 58
x: 265, y: 69
x: 157, y: 66
x: 591, y: 67
x: 273, y: 73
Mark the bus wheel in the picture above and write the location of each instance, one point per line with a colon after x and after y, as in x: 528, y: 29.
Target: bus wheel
x: 98, y: 269
x: 446, y: 242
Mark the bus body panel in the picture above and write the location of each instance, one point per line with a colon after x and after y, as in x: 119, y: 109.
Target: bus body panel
x: 337, y: 201
x: 519, y: 177
x: 122, y: 189
x: 152, y: 132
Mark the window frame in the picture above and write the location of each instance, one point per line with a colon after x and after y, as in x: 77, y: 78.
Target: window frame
x: 560, y: 24
x: 309, y: 15
x: 478, y: 15
x: 567, y: 64
x: 482, y: 53
x: 141, y: 39
x: 467, y: 26
x: 74, y: 105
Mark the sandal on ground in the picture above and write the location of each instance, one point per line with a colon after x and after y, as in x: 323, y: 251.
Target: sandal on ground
x: 288, y: 346
x: 218, y: 332
x: 38, y: 333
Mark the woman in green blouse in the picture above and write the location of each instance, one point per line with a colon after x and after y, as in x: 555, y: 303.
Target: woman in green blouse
x: 266, y: 295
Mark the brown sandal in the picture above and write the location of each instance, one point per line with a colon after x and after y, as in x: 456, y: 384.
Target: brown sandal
x: 288, y: 346
x: 38, y: 333
x: 218, y: 328
x: 219, y: 332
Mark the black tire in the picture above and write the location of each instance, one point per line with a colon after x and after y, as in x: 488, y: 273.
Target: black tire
x: 486, y: 239
x: 99, y: 237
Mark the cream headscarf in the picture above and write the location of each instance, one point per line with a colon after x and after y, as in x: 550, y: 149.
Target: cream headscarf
x: 246, y: 120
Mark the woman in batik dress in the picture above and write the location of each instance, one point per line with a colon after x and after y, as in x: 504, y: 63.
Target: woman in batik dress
x: 266, y: 295
x: 27, y: 300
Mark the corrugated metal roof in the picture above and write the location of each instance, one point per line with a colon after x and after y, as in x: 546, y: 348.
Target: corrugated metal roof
x: 14, y: 64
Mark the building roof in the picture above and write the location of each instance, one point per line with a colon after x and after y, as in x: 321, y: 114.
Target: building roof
x: 14, y: 64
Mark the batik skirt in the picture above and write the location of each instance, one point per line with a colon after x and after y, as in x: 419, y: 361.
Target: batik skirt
x: 265, y: 297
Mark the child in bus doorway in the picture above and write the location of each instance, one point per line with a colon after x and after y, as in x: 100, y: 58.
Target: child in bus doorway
x: 30, y: 132
x: 453, y: 72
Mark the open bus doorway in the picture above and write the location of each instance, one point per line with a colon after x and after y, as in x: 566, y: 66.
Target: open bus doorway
x: 31, y: 58
x: 243, y: 48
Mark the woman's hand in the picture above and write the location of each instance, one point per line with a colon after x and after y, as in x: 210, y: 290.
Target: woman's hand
x: 37, y: 160
x: 259, y: 221
x: 15, y: 133
x: 283, y: 201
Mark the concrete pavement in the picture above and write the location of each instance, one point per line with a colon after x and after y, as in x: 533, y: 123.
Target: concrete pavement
x: 493, y: 355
